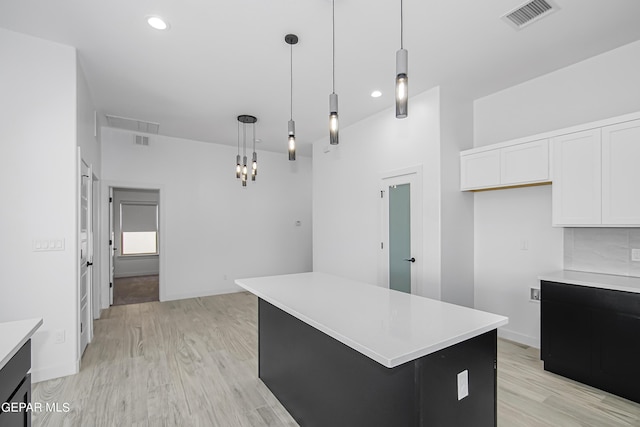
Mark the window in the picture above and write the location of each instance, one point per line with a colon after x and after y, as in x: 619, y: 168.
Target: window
x: 139, y: 228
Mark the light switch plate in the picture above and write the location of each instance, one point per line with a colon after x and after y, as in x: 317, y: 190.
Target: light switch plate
x: 635, y: 254
x: 45, y: 245
x: 463, y: 384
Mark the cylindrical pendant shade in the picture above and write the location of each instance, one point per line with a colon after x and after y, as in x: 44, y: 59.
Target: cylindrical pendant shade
x: 238, y: 167
x: 402, y: 83
x: 333, y: 119
x: 292, y: 139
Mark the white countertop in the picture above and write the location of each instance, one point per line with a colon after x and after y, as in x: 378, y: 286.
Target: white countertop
x: 388, y: 326
x: 594, y: 280
x: 13, y: 335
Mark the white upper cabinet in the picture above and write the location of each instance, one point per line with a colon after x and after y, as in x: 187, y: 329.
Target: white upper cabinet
x: 621, y: 174
x: 576, y: 191
x: 505, y: 165
x: 525, y: 163
x: 595, y: 177
x: 480, y: 170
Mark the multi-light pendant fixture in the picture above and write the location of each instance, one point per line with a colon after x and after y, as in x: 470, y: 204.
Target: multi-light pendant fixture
x: 402, y: 81
x: 242, y: 171
x: 291, y: 39
x: 333, y: 98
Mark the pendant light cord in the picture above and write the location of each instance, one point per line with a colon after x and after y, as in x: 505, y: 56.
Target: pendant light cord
x: 291, y: 62
x: 244, y: 140
x: 254, y: 137
x: 238, y: 137
x: 401, y: 27
x: 333, y: 20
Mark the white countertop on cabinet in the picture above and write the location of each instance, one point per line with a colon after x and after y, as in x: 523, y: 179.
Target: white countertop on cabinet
x: 13, y: 335
x: 594, y: 280
x: 388, y: 326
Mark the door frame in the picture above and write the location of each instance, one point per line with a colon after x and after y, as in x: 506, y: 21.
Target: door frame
x: 104, y: 233
x: 89, y: 256
x: 413, y: 176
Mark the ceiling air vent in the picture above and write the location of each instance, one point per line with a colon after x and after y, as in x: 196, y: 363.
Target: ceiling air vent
x: 141, y: 140
x: 132, y: 124
x: 529, y: 12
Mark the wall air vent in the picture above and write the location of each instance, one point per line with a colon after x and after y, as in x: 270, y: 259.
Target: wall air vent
x: 529, y: 13
x: 141, y: 140
x: 132, y: 124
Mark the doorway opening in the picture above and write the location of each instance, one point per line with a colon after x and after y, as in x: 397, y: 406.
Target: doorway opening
x: 134, y: 245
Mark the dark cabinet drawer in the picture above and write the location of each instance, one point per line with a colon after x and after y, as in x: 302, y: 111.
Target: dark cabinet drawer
x: 602, y: 299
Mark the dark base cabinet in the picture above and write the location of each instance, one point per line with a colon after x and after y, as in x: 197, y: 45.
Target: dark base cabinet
x: 592, y: 335
x: 15, y: 389
x: 323, y: 382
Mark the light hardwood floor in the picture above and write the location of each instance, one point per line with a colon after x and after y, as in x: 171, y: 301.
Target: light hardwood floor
x: 194, y: 363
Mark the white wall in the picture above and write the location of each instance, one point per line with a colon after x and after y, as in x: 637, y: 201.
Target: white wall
x: 346, y: 195
x: 603, y: 86
x: 39, y: 199
x: 213, y: 231
x: 137, y: 265
x: 504, y: 273
x: 457, y: 207
x: 346, y: 190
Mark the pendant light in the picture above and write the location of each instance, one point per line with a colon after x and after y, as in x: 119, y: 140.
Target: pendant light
x: 254, y: 159
x: 402, y: 81
x: 238, y: 167
x: 242, y: 171
x: 333, y: 98
x: 291, y: 39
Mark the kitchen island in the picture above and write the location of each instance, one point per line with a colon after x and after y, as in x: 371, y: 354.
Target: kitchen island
x: 344, y: 353
x: 15, y: 363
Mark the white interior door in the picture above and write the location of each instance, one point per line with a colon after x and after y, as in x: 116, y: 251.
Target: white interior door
x: 112, y: 248
x: 86, y: 254
x: 400, y: 260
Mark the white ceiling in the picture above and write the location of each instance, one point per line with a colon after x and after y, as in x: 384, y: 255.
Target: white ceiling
x: 224, y: 58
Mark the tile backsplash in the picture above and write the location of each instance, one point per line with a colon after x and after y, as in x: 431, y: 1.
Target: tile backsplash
x: 602, y: 250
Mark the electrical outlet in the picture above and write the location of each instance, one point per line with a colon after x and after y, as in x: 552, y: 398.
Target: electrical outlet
x: 463, y: 384
x: 59, y: 336
x: 535, y: 294
x: 635, y: 254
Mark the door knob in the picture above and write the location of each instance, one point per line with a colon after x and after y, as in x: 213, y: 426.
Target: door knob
x: 89, y: 264
x: 412, y: 259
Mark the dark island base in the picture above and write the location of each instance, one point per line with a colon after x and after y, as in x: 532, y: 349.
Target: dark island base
x: 323, y: 382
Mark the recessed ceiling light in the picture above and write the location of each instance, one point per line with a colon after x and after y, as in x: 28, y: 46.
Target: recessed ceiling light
x: 376, y: 94
x: 157, y: 23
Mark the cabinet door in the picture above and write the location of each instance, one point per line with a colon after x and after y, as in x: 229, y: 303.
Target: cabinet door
x: 525, y: 163
x: 22, y: 396
x: 566, y: 339
x: 576, y: 186
x: 480, y: 170
x: 621, y: 174
x: 616, y: 353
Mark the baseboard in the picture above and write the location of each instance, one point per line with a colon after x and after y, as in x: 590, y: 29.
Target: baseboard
x: 519, y: 338
x: 204, y: 293
x: 136, y: 274
x: 51, y: 372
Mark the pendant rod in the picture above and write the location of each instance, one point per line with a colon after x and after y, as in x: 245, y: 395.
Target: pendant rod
x: 333, y: 20
x: 401, y: 26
